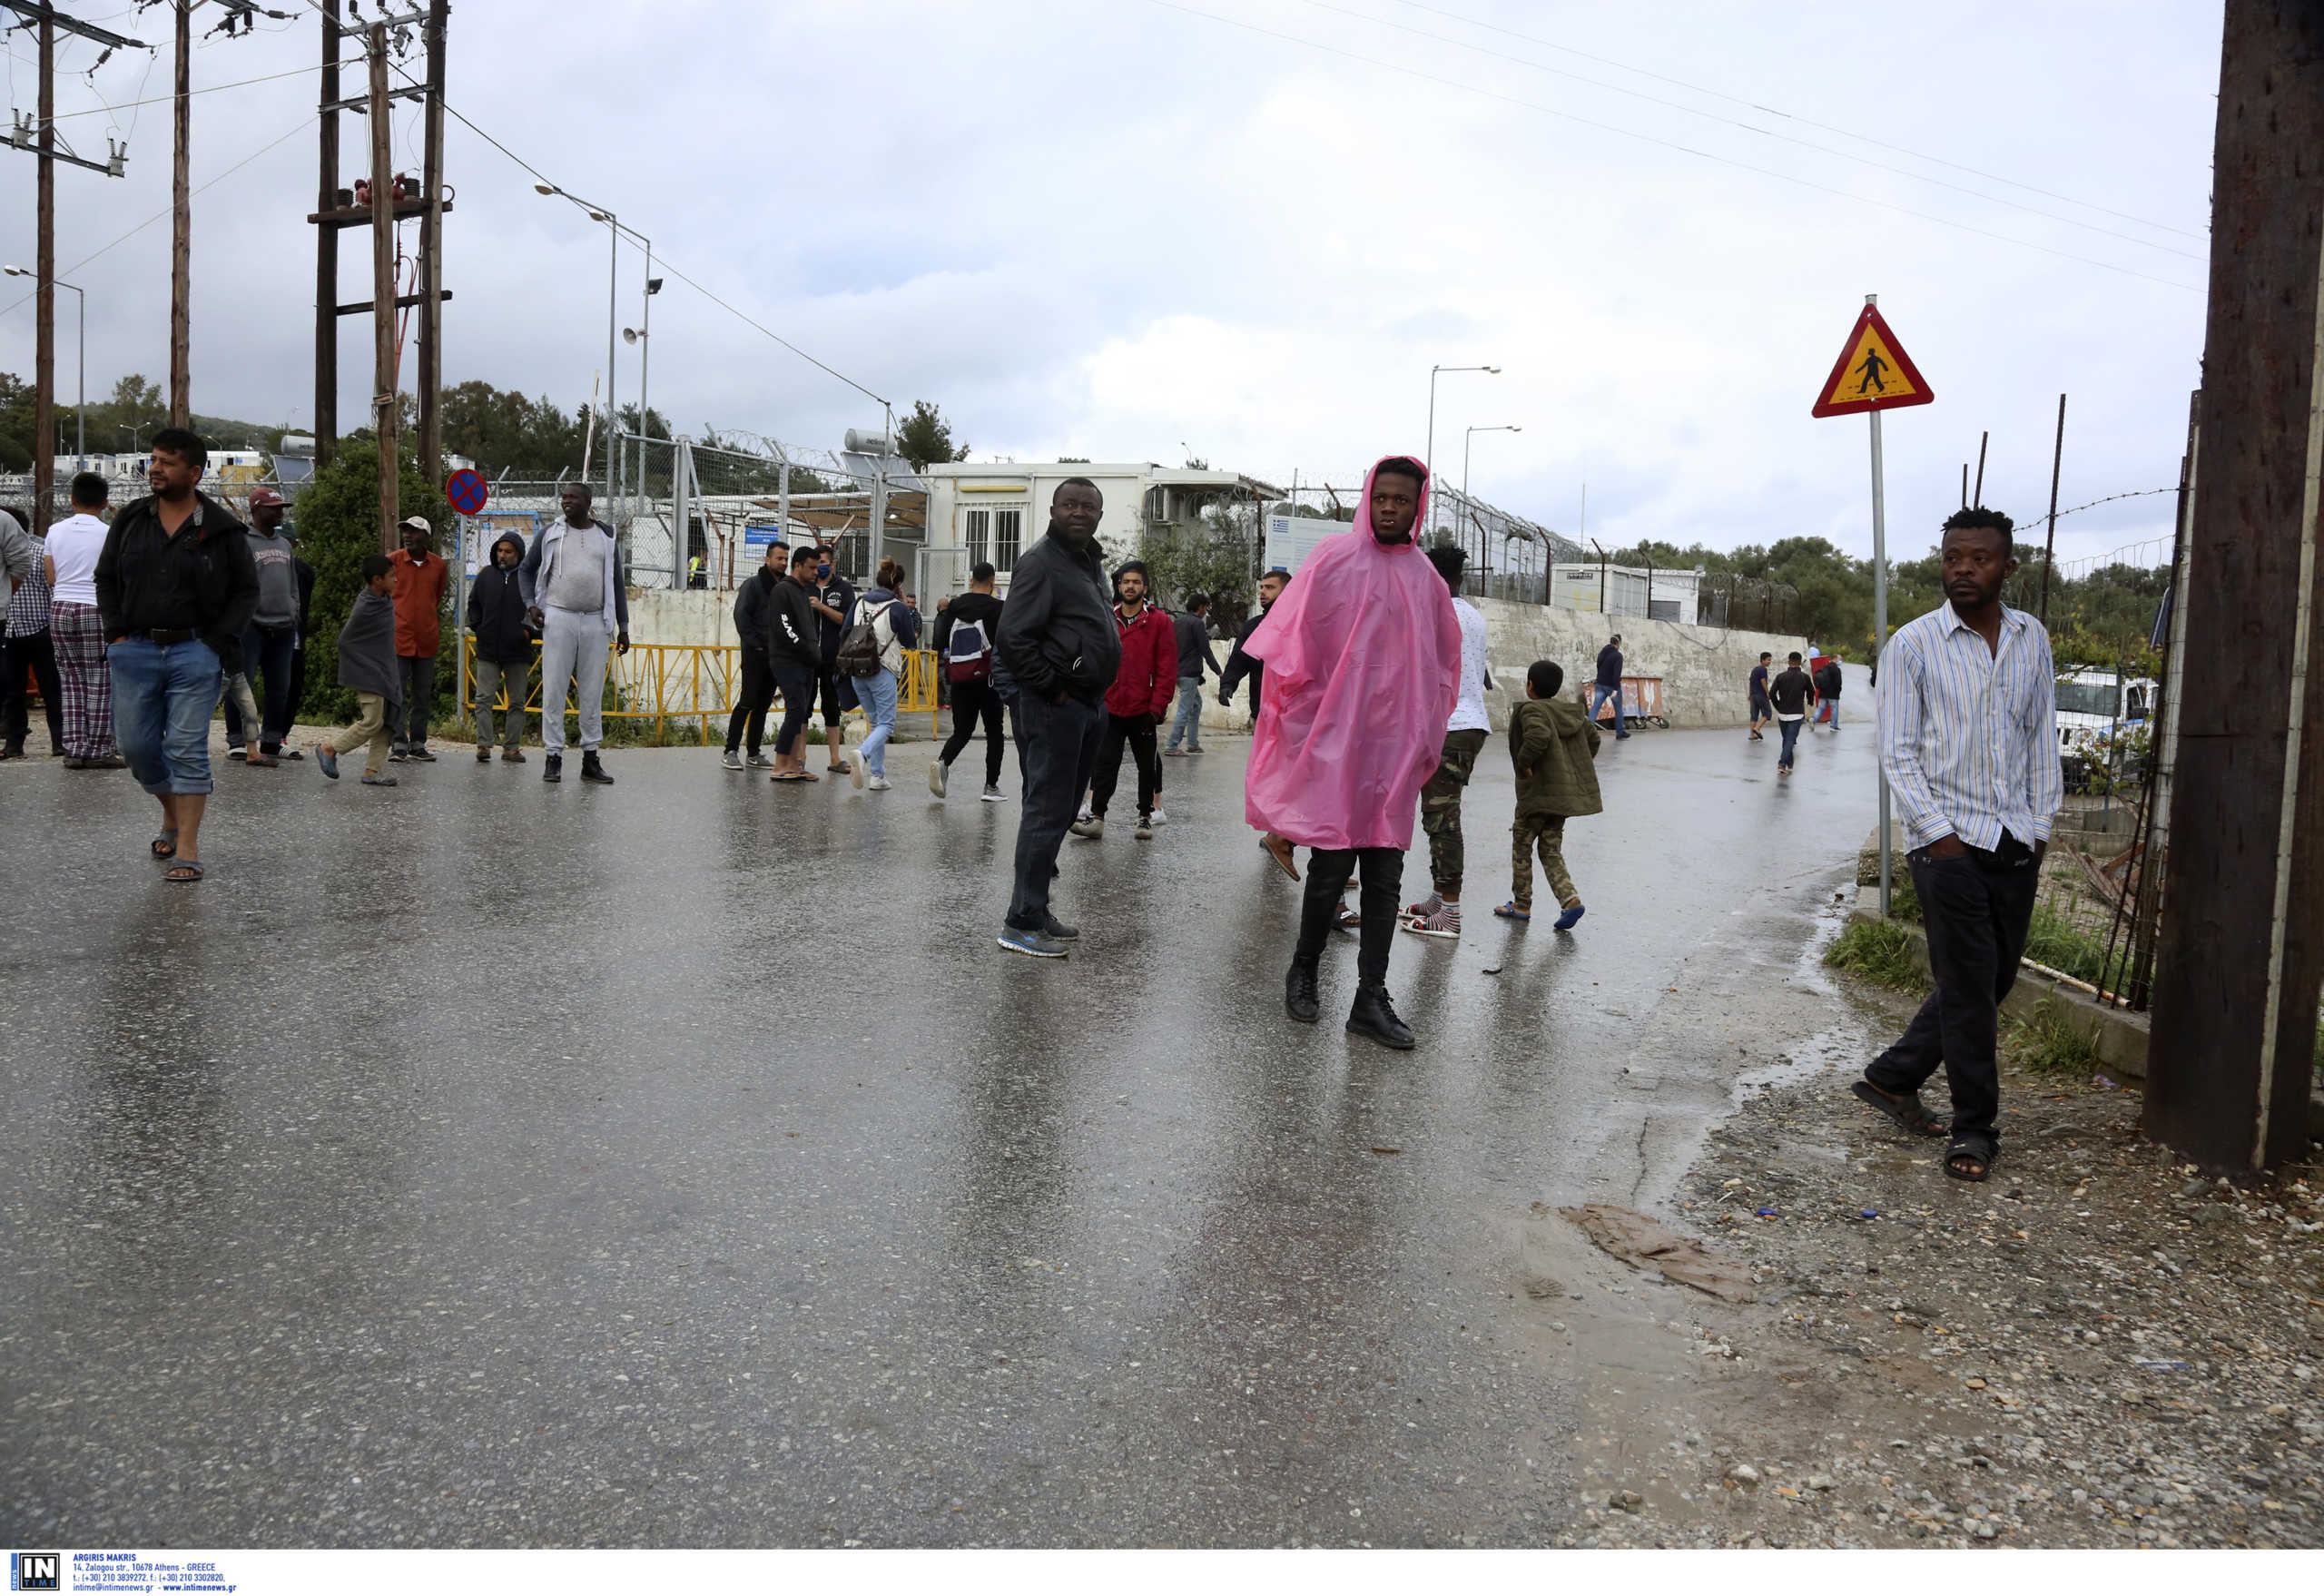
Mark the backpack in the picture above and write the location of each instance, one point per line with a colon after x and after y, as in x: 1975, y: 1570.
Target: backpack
x: 861, y: 651
x: 967, y: 653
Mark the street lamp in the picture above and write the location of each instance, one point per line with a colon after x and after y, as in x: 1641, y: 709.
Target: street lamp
x: 80, y: 405
x: 1484, y: 549
x: 1428, y: 458
x: 614, y: 229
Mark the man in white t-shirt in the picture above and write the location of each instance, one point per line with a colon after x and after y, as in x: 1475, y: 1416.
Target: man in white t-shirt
x: 1464, y: 736
x: 76, y: 631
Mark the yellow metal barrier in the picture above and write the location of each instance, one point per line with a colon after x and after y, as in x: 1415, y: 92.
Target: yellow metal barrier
x: 663, y: 682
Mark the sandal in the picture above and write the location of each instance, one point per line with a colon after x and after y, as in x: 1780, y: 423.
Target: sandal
x: 1907, y: 1112
x: 1971, y: 1147
x: 787, y: 775
x: 1279, y: 850
x: 186, y: 872
x: 165, y: 846
x: 1510, y: 911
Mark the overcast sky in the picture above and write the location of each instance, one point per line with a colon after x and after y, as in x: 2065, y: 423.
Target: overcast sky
x: 1113, y: 228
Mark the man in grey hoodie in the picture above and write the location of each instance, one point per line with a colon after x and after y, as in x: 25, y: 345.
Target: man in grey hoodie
x: 577, y: 598
x: 272, y: 636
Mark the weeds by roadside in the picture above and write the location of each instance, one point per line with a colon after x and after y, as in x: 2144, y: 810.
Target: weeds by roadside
x: 2048, y: 1043
x: 1880, y: 951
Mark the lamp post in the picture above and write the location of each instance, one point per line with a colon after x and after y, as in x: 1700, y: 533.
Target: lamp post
x: 81, y: 403
x: 1484, y: 548
x: 1428, y: 457
x: 614, y: 229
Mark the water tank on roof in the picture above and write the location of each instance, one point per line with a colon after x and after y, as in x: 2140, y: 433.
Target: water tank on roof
x: 868, y: 443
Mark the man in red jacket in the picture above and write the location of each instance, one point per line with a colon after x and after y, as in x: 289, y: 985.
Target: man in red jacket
x: 1135, y: 704
x: 417, y: 582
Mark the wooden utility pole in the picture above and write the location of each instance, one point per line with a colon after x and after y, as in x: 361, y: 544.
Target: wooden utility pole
x: 383, y: 286
x: 45, y: 294
x: 432, y: 245
x: 2241, y: 950
x: 327, y: 257
x: 181, y: 226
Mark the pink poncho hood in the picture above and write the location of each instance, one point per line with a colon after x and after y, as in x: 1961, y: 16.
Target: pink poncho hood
x: 1362, y: 655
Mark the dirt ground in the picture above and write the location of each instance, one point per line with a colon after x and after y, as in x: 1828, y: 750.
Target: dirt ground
x: 2093, y: 1349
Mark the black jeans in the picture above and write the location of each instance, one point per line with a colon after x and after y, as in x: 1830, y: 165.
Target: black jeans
x: 418, y: 674
x: 1328, y: 869
x: 35, y: 654
x: 1975, y: 910
x: 1136, y: 731
x: 748, y: 722
x: 1060, y: 748
x: 975, y: 702
x: 798, y: 687
x: 266, y: 661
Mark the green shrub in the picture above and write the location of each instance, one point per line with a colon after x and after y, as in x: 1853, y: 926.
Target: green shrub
x: 2056, y: 941
x: 2048, y: 1042
x: 1879, y: 951
x: 337, y: 518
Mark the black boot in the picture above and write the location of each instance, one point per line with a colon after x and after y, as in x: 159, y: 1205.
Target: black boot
x: 1375, y: 1017
x: 552, y: 768
x: 1299, y: 998
x: 591, y: 770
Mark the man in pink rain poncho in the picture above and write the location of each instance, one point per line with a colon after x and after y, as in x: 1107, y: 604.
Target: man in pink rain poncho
x: 1362, y: 656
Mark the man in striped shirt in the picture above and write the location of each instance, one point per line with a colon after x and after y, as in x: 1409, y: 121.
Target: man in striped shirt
x: 1967, y: 703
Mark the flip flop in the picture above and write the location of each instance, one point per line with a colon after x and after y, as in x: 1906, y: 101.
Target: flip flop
x: 1907, y: 1112
x: 788, y: 776
x: 1510, y: 911
x: 184, y: 873
x: 165, y: 846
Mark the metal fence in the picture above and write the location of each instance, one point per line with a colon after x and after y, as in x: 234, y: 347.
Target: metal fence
x: 681, y: 682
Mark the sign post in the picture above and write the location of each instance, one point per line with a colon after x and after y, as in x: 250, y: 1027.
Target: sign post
x: 1874, y: 374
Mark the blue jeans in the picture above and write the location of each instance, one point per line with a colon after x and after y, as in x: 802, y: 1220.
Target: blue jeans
x: 1790, y: 740
x: 1188, y: 722
x: 163, y: 697
x: 1597, y: 696
x: 267, y: 656
x: 877, y: 694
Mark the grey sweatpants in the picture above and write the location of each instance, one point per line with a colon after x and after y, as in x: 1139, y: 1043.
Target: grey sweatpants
x: 573, y: 649
x: 490, y: 673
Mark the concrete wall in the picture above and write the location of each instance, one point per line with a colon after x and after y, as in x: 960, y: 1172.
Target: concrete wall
x: 1705, y: 670
x: 682, y: 615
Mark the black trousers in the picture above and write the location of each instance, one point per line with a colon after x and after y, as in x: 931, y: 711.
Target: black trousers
x: 1328, y: 869
x: 748, y: 722
x: 31, y: 654
x: 975, y: 702
x: 416, y: 671
x: 1136, y: 731
x: 298, y: 680
x: 1975, y: 910
x: 1060, y: 747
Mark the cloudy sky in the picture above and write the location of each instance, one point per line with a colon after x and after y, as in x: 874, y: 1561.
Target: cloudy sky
x: 1247, y: 228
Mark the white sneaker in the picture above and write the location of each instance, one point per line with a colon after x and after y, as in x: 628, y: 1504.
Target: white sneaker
x: 878, y: 783
x: 1157, y: 817
x: 855, y: 771
x: 1083, y: 817
x: 938, y: 772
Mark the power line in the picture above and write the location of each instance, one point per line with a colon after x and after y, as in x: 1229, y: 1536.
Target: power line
x: 1789, y: 116
x: 1763, y: 132
x: 166, y: 99
x: 1671, y: 145
x: 662, y: 263
x: 165, y: 211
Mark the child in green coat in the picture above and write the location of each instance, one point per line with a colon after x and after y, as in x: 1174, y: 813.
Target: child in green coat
x: 1553, y: 746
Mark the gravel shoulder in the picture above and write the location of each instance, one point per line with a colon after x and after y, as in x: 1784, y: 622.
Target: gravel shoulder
x: 2095, y: 1349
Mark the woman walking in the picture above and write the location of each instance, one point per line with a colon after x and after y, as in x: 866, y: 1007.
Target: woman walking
x: 894, y: 627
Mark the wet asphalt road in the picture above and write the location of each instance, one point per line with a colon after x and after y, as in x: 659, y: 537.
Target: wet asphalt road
x: 681, y: 1163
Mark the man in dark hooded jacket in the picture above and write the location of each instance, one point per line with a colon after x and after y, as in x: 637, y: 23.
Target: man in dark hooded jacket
x: 504, y: 647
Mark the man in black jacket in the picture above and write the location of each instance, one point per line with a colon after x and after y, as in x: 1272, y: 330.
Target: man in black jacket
x: 1828, y: 691
x: 1195, y: 661
x: 973, y: 698
x: 1793, y: 696
x: 1610, y: 685
x: 756, y: 689
x: 1240, y: 665
x: 794, y: 658
x: 504, y: 647
x: 175, y: 587
x: 1059, y: 641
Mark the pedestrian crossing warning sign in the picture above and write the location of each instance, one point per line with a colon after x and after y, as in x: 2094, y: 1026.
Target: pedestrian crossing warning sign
x: 1874, y: 372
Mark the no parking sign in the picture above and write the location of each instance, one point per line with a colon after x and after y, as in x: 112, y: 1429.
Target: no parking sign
x: 464, y: 491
